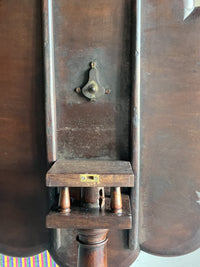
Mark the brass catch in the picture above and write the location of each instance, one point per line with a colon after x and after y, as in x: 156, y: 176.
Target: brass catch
x: 89, y: 178
x: 93, y: 88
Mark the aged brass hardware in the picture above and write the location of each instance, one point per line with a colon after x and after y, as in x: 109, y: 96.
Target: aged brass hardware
x: 92, y: 178
x: 93, y: 89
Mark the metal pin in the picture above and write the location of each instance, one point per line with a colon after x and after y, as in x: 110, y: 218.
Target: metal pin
x: 92, y: 64
x: 78, y: 90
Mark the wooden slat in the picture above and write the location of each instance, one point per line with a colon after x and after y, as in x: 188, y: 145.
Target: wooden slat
x: 111, y: 173
x: 22, y: 139
x: 170, y: 129
x: 81, y: 218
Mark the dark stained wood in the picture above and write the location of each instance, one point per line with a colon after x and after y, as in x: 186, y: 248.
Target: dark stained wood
x: 23, y: 195
x: 118, y: 253
x: 111, y: 173
x: 116, y: 200
x: 169, y: 162
x: 92, y: 249
x: 64, y: 200
x: 83, y: 32
x: 170, y: 129
x: 99, y: 31
x: 93, y: 197
x: 82, y: 218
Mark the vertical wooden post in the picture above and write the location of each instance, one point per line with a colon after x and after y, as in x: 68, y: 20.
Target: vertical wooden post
x: 116, y: 200
x: 93, y: 197
x: 92, y: 250
x: 64, y: 200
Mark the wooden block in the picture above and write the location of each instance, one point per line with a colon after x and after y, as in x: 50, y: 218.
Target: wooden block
x: 82, y: 218
x: 71, y: 173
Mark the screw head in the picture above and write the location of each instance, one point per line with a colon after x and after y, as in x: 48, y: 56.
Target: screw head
x: 78, y: 90
x: 92, y: 89
x: 95, y: 178
x: 107, y: 91
x: 92, y: 64
x: 82, y: 178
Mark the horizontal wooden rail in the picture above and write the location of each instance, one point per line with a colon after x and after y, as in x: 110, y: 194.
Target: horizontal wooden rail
x: 87, y: 173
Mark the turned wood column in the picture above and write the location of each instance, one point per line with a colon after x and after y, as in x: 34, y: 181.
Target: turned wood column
x: 116, y: 200
x: 91, y: 213
x: 92, y: 250
x: 64, y: 200
x: 93, y: 197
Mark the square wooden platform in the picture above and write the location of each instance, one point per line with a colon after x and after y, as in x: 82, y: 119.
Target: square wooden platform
x: 71, y: 173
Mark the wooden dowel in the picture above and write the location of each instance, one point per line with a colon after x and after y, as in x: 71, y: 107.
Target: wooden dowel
x: 64, y: 200
x: 116, y: 200
x: 92, y: 250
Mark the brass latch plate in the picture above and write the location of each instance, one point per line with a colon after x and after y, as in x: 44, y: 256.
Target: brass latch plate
x: 89, y: 178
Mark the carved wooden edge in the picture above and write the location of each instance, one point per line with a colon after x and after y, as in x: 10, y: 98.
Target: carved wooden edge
x: 50, y: 102
x: 189, y: 7
x: 135, y: 127
x: 23, y: 252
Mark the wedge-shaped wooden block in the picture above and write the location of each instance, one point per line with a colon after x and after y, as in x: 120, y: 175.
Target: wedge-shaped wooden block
x: 82, y: 218
x: 89, y: 173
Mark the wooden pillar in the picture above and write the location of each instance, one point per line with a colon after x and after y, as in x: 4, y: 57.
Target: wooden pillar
x: 116, y: 200
x: 92, y: 250
x: 93, y: 197
x: 64, y: 200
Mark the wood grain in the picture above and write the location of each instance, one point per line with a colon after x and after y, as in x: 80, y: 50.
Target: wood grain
x: 81, y: 218
x: 85, y: 32
x: 111, y: 173
x: 23, y: 196
x: 99, y: 31
x: 170, y: 129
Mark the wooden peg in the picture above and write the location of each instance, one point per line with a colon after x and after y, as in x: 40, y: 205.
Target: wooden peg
x: 64, y: 200
x: 116, y: 200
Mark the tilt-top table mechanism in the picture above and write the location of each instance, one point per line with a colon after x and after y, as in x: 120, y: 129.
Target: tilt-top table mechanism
x: 98, y: 209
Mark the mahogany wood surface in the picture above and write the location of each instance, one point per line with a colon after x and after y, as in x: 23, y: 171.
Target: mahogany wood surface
x: 92, y: 248
x: 81, y: 218
x: 78, y: 33
x: 170, y: 129
x: 98, y: 31
x: 111, y: 173
x: 117, y: 249
x: 23, y: 198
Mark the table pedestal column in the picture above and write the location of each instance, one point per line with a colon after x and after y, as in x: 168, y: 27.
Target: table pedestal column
x: 92, y: 249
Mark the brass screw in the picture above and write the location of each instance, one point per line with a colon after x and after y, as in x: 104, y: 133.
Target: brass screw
x: 92, y: 89
x: 107, y: 91
x: 92, y: 64
x: 78, y: 90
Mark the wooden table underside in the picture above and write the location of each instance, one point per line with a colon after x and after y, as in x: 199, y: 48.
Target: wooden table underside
x: 170, y: 130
